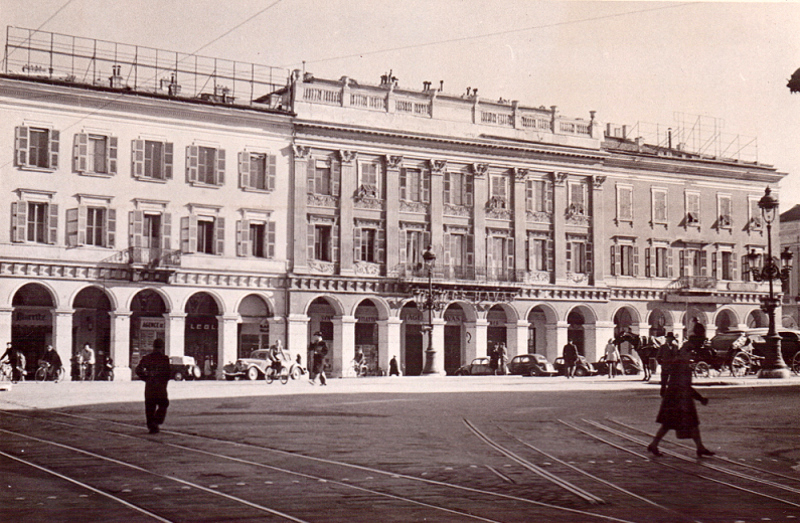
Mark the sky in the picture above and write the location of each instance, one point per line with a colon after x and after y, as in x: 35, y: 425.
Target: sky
x: 675, y: 64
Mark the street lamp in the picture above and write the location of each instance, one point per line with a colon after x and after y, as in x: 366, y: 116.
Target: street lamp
x: 429, y: 304
x: 773, y: 365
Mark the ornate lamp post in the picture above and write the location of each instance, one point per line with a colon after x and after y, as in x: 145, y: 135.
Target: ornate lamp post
x: 429, y: 304
x: 773, y: 365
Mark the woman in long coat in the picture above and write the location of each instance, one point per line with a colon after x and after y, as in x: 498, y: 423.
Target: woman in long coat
x: 677, y: 410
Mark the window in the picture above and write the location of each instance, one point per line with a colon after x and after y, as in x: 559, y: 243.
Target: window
x: 727, y: 266
x: 659, y: 262
x: 369, y: 179
x: 255, y: 238
x: 499, y: 257
x: 577, y: 199
x: 754, y: 219
x: 624, y: 203
x: 458, y: 189
x: 459, y: 254
x: 659, y: 206
x: 724, y: 212
x: 416, y: 242
x: 152, y: 160
x: 95, y: 154
x: 150, y: 230
x: 693, y: 209
x: 537, y: 254
x: 205, y: 165
x: 499, y: 187
x: 693, y: 262
x: 323, y: 177
x: 368, y: 244
x: 537, y: 198
x: 322, y: 243
x: 257, y: 171
x: 36, y: 148
x: 415, y: 185
x: 91, y: 225
x: 34, y: 222
x: 578, y: 256
x: 203, y: 234
x: 624, y: 260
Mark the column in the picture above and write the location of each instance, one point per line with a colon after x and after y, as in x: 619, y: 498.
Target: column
x: 6, y: 318
x: 480, y: 197
x: 175, y: 335
x: 297, y: 336
x: 599, y: 239
x: 476, y: 348
x: 438, y: 347
x: 603, y: 331
x: 62, y: 337
x: 348, y: 186
x: 226, y: 341
x: 393, y: 238
x: 558, y: 332
x: 344, y: 345
x: 559, y: 236
x: 517, y: 336
x: 299, y: 208
x: 520, y: 224
x: 121, y: 345
x: 437, y: 212
x: 277, y: 331
x: 389, y: 341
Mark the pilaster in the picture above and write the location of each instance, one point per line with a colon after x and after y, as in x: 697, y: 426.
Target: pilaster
x: 603, y: 331
x: 393, y: 213
x: 6, y: 319
x: 389, y: 335
x: 520, y: 228
x: 479, y: 332
x: 62, y: 335
x: 175, y: 335
x: 297, y: 336
x: 349, y: 182
x: 121, y: 345
x: 517, y: 337
x: 437, y: 208
x: 559, y: 232
x: 481, y: 196
x: 560, y: 333
x: 438, y: 345
x: 599, y: 239
x: 344, y: 344
x: 227, y: 341
x: 299, y: 209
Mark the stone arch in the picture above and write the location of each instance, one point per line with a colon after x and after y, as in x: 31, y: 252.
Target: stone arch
x: 756, y: 319
x: 33, y: 321
x: 383, y: 309
x: 91, y: 322
x: 581, y: 328
x: 35, y: 293
x: 255, y: 329
x: 165, y: 298
x: 660, y: 322
x: 626, y: 318
x: 725, y: 320
x: 192, y: 300
x: 542, y: 321
x: 334, y: 302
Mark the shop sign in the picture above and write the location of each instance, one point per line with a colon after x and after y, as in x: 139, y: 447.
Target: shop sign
x: 153, y: 324
x: 202, y: 324
x: 32, y: 318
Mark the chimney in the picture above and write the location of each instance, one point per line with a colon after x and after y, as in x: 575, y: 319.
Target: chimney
x: 441, y: 85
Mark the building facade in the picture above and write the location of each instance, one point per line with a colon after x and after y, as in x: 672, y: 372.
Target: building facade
x: 790, y: 239
x: 221, y: 222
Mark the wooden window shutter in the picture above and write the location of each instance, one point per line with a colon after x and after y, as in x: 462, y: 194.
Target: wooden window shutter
x: 311, y: 173
x: 568, y: 256
x: 670, y: 272
x: 135, y: 228
x: 510, y: 255
x: 529, y: 195
x: 551, y: 255
x: 112, y: 155
x: 648, y: 270
x: 334, y: 247
x: 470, y: 250
x: 336, y: 173
x: 137, y: 158
x: 681, y: 262
x: 53, y: 224
x: 166, y: 230
x: 589, y: 257
x: 220, y: 173
x: 613, y: 260
x: 713, y: 264
x: 271, y: 168
x: 80, y: 153
x: 192, y: 152
x: 82, y: 214
x: 242, y: 237
x: 19, y: 221
x: 489, y: 252
x: 357, y: 244
x: 244, y: 170
x: 219, y: 235
x: 548, y: 196
x: 703, y: 263
x: 635, y: 260
x: 111, y: 228
x: 168, y: 160
x: 446, y: 187
x: 426, y: 186
x: 468, y: 190
x: 447, y: 240
x: 55, y: 140
x: 403, y: 184
x: 72, y: 227
x: 189, y: 234
x: 311, y: 238
x: 381, y: 247
x: 733, y: 266
x: 270, y: 240
x: 21, y: 146
x: 426, y: 241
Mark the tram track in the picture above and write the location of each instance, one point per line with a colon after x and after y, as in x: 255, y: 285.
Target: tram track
x: 586, y: 515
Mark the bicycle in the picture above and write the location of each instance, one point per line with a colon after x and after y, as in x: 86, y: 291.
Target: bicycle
x: 45, y: 372
x: 283, y: 374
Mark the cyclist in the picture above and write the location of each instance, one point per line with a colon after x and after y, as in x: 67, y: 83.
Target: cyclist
x: 278, y: 356
x: 16, y: 359
x: 53, y: 362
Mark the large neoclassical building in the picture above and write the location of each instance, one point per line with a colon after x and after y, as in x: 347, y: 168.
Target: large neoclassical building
x: 222, y: 211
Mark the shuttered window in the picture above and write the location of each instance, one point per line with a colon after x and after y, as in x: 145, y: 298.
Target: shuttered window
x: 34, y: 222
x: 624, y: 203
x: 257, y: 171
x: 152, y: 159
x: 415, y: 185
x: 692, y: 209
x: 659, y: 206
x: 203, y: 234
x: 94, y: 154
x: 36, y: 148
x: 205, y: 165
x: 95, y: 226
x: 255, y: 239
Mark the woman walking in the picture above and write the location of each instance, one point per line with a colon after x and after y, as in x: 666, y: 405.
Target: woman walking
x: 677, y: 410
x: 612, y: 357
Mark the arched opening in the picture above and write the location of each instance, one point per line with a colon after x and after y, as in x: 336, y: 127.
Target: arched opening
x: 497, y: 330
x: 660, y: 323
x: 537, y: 331
x: 575, y: 330
x: 147, y: 323
x: 367, y: 316
x: 254, y: 329
x: 624, y: 322
x: 757, y: 319
x: 201, y: 331
x: 32, y: 323
x: 91, y: 323
x: 412, y: 339
x: 321, y: 314
x: 725, y: 321
x: 454, y: 336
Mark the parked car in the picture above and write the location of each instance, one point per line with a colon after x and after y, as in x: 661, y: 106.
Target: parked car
x: 184, y: 368
x: 531, y: 365
x: 478, y: 367
x: 627, y: 365
x: 790, y: 344
x: 582, y: 367
x: 252, y: 368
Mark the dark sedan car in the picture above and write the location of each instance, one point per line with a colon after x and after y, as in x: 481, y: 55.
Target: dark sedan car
x: 531, y: 365
x: 627, y: 365
x: 582, y: 367
x: 478, y: 367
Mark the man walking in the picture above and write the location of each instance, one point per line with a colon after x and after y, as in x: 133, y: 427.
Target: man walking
x: 154, y: 370
x: 88, y: 359
x: 570, y: 355
x: 318, y: 350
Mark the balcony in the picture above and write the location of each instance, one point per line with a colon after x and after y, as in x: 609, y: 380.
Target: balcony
x: 694, y: 283
x: 154, y: 258
x: 466, y: 274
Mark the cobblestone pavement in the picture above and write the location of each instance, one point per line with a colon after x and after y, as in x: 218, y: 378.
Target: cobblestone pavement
x: 507, y: 449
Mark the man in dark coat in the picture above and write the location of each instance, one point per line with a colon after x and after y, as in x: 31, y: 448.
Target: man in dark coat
x: 318, y: 350
x: 154, y: 370
x: 570, y: 355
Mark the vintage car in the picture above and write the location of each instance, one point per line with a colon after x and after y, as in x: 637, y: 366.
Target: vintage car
x: 531, y: 365
x: 184, y: 368
x: 627, y: 365
x: 478, y: 367
x: 582, y: 367
x: 252, y: 368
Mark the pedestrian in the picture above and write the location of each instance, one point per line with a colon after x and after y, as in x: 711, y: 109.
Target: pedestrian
x: 612, y: 358
x: 666, y: 354
x: 88, y: 361
x: 394, y: 368
x: 318, y: 350
x: 570, y: 355
x: 154, y: 370
x: 677, y: 411
x: 502, y: 360
x: 493, y: 358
